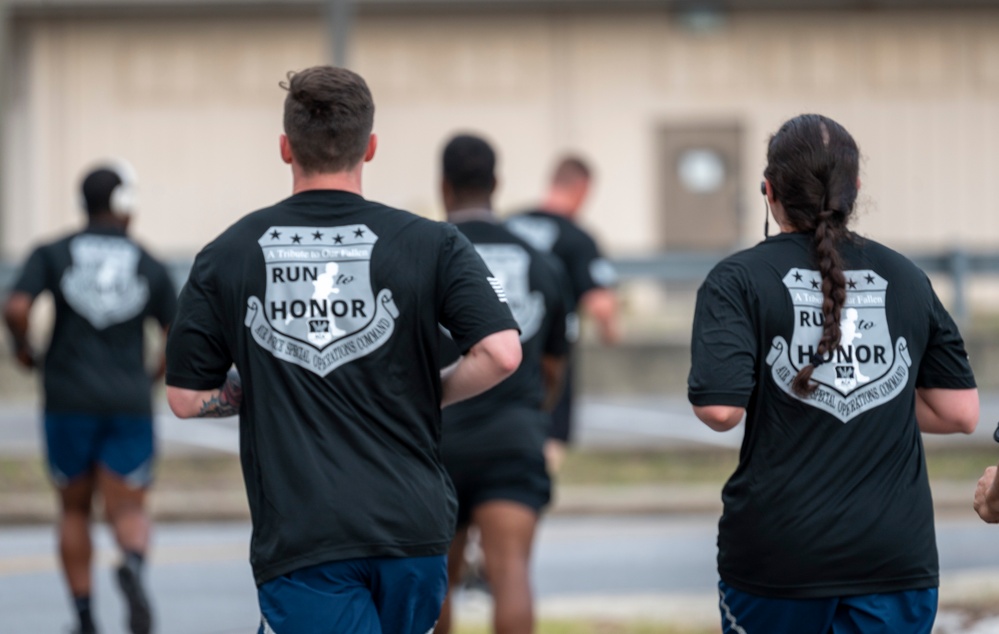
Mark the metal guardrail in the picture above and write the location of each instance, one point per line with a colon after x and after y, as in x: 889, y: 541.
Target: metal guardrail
x: 958, y: 265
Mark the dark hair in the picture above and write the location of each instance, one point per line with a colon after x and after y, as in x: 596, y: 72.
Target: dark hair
x: 571, y: 169
x: 469, y: 165
x: 97, y: 187
x: 328, y: 117
x: 812, y: 166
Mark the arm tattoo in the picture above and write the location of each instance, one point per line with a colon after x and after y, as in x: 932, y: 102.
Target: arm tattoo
x: 224, y: 401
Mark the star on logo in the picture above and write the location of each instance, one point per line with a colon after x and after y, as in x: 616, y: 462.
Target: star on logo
x: 852, y: 284
x: 869, y: 278
x: 359, y: 233
x: 338, y: 239
x: 815, y: 284
x: 797, y: 276
x: 275, y: 234
x: 297, y: 239
x: 317, y: 235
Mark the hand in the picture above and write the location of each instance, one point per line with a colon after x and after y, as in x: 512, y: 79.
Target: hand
x: 25, y: 357
x: 982, y: 507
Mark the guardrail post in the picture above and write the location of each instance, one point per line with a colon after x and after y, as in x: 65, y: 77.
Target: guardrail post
x: 959, y: 263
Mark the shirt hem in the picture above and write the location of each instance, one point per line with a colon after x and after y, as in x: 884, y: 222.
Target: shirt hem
x: 482, y: 332
x: 842, y: 589
x: 262, y: 575
x: 190, y: 383
x: 705, y: 399
x: 948, y: 382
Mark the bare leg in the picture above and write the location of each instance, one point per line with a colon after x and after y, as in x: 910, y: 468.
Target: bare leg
x: 455, y: 565
x: 126, y: 511
x: 127, y: 514
x: 75, y: 547
x: 507, y: 535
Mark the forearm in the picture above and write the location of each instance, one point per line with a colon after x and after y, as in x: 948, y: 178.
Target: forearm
x: 486, y: 364
x: 221, y: 402
x: 601, y: 305
x: 16, y: 314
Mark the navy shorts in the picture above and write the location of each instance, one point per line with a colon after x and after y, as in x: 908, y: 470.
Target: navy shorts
x: 523, y: 479
x: 390, y: 595
x: 912, y: 612
x: 75, y: 443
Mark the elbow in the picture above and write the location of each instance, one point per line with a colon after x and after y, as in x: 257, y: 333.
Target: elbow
x: 180, y: 402
x: 720, y: 417
x: 967, y: 423
x: 508, y: 358
x: 965, y: 419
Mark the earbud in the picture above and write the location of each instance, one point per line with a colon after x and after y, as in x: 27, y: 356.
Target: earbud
x: 123, y: 198
x: 763, y: 187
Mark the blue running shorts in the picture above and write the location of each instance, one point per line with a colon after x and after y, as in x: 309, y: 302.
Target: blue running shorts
x: 912, y: 612
x: 390, y: 595
x: 75, y: 443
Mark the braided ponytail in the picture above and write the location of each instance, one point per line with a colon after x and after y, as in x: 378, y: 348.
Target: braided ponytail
x: 812, y: 165
x: 827, y: 237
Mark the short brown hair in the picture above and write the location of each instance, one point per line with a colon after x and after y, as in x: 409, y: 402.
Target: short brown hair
x: 328, y: 117
x: 571, y: 169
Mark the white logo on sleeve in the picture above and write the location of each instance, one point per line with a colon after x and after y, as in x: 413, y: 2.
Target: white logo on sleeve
x: 497, y: 288
x: 510, y: 265
x: 320, y: 310
x: 103, y: 284
x: 866, y: 369
x: 602, y: 272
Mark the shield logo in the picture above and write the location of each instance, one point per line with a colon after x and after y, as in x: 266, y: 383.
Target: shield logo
x: 510, y: 265
x: 103, y: 284
x: 866, y: 369
x: 320, y: 309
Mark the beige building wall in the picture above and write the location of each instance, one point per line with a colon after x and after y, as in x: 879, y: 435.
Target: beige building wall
x: 193, y: 103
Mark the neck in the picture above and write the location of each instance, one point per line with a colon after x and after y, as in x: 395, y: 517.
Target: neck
x: 106, y: 219
x: 465, y: 214
x: 461, y: 204
x: 558, y: 202
x: 348, y: 181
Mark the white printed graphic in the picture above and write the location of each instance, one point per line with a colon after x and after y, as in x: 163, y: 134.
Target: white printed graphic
x: 103, y: 284
x: 602, y: 272
x: 540, y: 233
x: 320, y: 310
x: 866, y: 369
x: 510, y: 265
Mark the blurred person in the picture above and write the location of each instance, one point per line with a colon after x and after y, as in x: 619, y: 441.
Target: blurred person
x: 328, y: 305
x: 553, y: 228
x: 98, y: 409
x: 493, y: 444
x: 838, y: 353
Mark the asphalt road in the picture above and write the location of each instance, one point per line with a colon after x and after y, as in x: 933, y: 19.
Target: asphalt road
x: 650, y: 567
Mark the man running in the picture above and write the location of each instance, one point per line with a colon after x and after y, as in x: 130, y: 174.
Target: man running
x: 98, y: 411
x: 493, y: 444
x: 339, y: 393
x: 552, y: 227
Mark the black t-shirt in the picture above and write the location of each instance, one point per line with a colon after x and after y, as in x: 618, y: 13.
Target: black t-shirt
x: 329, y: 307
x: 104, y: 286
x: 550, y: 233
x: 831, y: 495
x: 508, y: 419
